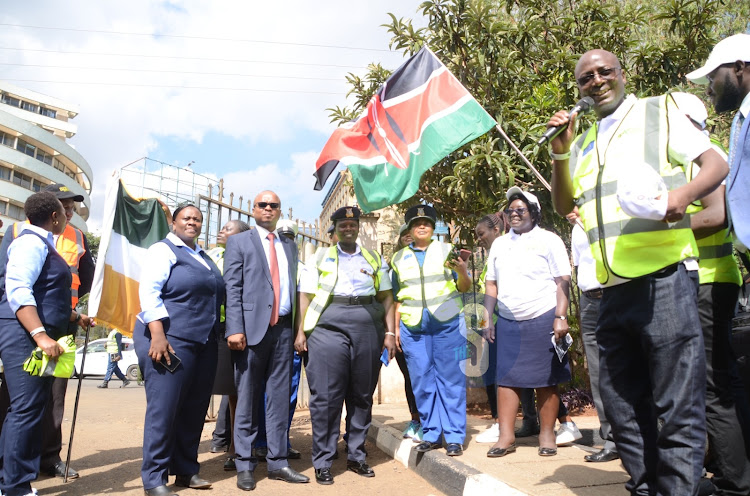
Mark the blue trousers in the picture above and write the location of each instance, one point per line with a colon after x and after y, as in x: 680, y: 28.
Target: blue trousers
x: 21, y: 438
x: 113, y: 367
x: 176, y: 405
x: 652, y: 366
x: 296, y: 372
x: 433, y: 354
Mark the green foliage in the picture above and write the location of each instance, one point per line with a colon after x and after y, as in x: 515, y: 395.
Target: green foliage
x: 93, y: 241
x: 517, y: 58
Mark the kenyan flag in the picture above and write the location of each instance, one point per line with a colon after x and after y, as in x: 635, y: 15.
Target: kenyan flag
x: 417, y: 117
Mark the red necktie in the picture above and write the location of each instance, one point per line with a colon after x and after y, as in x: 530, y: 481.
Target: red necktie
x: 273, y: 264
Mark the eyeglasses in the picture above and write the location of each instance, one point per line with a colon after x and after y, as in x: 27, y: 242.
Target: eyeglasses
x: 606, y: 74
x: 519, y: 211
x: 273, y: 205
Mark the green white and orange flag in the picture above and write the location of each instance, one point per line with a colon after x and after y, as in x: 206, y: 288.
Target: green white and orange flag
x: 417, y: 117
x: 130, y: 226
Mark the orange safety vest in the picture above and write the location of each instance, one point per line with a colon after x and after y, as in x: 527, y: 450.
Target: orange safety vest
x: 70, y: 246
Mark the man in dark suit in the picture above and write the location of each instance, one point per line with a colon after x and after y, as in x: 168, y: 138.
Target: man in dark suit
x: 260, y: 271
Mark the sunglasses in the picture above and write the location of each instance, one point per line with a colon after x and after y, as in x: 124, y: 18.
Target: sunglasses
x: 520, y: 211
x: 605, y: 74
x: 273, y: 205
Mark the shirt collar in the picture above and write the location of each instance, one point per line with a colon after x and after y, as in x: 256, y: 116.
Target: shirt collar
x: 745, y: 106
x: 178, y: 242
x: 620, y: 112
x: 25, y: 226
x: 515, y: 235
x: 357, y: 251
x: 263, y: 232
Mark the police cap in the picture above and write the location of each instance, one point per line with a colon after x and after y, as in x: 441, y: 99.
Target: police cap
x: 346, y: 213
x: 420, y: 212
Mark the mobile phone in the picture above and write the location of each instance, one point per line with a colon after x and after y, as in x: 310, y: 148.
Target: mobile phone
x: 174, y: 362
x: 464, y: 254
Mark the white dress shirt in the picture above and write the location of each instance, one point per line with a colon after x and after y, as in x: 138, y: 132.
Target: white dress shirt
x: 26, y: 256
x: 583, y: 259
x: 285, y: 300
x: 354, y: 277
x: 156, y: 269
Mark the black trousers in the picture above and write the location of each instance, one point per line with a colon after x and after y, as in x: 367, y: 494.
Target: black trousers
x: 726, y: 447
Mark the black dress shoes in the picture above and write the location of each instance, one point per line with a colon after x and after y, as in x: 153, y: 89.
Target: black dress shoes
x: 527, y: 429
x: 159, y: 491
x: 498, y: 452
x: 288, y: 474
x: 426, y: 446
x: 260, y: 453
x: 219, y: 449
x: 323, y: 476
x: 192, y: 481
x: 454, y: 449
x: 604, y: 455
x: 58, y: 470
x: 229, y: 465
x: 245, y: 480
x: 542, y: 451
x: 360, y: 468
x: 294, y: 454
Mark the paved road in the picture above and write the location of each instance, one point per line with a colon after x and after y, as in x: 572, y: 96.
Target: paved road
x: 107, y: 453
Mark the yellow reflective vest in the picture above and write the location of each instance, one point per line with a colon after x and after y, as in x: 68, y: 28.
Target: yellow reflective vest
x: 624, y: 246
x: 430, y: 286
x: 112, y: 347
x: 328, y: 272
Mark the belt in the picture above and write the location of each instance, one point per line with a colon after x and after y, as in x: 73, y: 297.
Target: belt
x: 352, y: 300
x: 594, y: 293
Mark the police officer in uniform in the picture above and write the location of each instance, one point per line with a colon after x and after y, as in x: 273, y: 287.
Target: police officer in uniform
x: 346, y: 319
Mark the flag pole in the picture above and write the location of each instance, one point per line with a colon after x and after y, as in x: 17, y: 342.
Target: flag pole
x: 78, y: 397
x: 523, y: 157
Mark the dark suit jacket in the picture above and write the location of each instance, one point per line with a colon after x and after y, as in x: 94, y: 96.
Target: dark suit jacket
x: 248, y: 283
x: 738, y: 186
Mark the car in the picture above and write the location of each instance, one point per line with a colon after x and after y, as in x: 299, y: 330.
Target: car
x: 97, y: 359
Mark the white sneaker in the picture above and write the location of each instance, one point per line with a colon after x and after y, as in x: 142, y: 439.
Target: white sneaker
x: 567, y: 433
x: 491, y: 435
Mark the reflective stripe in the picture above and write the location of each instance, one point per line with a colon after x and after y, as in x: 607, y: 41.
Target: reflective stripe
x: 430, y: 301
x: 633, y: 226
x: 709, y: 252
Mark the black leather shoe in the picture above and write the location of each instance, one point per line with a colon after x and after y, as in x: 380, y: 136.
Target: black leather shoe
x: 245, y: 480
x: 260, y: 453
x: 294, y: 454
x: 547, y: 451
x: 426, y: 446
x: 454, y: 449
x: 159, y: 491
x: 192, y: 481
x: 219, y: 449
x: 288, y: 474
x: 527, y: 429
x: 58, y: 470
x: 360, y: 468
x: 323, y: 476
x: 498, y: 452
x: 229, y: 465
x: 604, y: 455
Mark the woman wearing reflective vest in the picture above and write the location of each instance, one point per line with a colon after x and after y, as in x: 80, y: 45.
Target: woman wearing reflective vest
x: 345, y: 321
x: 432, y: 330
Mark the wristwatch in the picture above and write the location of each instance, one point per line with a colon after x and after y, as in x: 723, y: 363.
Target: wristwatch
x: 561, y: 317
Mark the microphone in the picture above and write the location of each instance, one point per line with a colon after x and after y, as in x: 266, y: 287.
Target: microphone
x: 583, y: 106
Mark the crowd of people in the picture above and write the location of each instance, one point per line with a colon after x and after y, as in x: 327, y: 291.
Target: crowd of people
x: 653, y: 221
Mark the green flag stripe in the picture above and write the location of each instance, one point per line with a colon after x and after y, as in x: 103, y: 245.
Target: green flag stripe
x: 141, y: 222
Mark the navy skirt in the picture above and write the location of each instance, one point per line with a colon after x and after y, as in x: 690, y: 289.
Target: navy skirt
x: 525, y: 356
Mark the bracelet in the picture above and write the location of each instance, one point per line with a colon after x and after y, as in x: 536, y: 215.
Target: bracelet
x: 36, y: 331
x: 561, y: 317
x: 559, y: 156
x: 389, y: 333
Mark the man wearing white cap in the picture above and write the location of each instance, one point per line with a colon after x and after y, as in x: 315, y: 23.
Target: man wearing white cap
x: 626, y: 174
x: 727, y: 74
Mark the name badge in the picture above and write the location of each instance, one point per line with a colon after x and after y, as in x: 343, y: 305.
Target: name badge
x: 588, y: 148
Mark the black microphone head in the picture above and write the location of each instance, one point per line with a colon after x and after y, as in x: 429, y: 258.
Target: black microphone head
x: 585, y: 104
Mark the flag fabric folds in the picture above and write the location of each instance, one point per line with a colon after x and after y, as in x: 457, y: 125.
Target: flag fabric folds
x: 417, y: 117
x: 130, y: 226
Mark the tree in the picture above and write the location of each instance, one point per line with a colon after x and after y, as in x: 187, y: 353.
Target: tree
x: 93, y: 242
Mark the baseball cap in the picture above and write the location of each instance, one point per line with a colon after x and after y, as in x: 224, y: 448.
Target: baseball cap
x: 62, y: 192
x: 691, y: 106
x: 728, y: 50
x: 530, y: 197
x: 643, y: 194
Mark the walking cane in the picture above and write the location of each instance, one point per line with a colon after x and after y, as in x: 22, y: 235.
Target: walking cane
x: 75, y: 407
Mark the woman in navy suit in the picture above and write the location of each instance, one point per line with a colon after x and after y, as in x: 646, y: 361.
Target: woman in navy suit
x: 181, y: 293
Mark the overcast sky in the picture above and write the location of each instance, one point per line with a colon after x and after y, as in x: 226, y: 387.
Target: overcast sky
x: 239, y: 88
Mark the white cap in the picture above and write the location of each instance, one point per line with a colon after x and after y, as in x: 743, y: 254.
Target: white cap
x: 642, y: 193
x: 530, y: 197
x: 728, y: 50
x: 692, y: 106
x: 287, y: 225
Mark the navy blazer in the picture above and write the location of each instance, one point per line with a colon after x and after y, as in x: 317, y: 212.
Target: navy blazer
x: 738, y: 186
x: 249, y: 287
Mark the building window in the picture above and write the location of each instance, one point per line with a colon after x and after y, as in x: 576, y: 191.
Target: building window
x: 26, y: 148
x: 43, y: 156
x: 58, y: 165
x: 48, y: 112
x: 36, y: 187
x: 9, y: 100
x: 29, y: 106
x: 15, y: 212
x: 5, y: 172
x: 22, y: 180
x: 6, y: 139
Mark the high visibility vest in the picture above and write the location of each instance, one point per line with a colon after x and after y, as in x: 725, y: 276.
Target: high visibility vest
x: 430, y: 286
x: 717, y: 262
x: 328, y: 271
x: 70, y: 246
x: 112, y: 342
x: 625, y: 246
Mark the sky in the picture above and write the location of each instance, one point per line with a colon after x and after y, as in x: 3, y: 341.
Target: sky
x: 237, y: 89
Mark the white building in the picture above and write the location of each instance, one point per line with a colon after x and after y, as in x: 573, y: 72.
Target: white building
x: 34, y: 153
